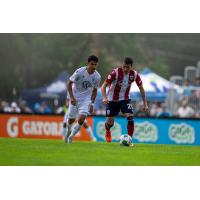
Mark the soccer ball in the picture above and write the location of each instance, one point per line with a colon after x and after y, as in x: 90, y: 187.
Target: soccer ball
x: 125, y: 140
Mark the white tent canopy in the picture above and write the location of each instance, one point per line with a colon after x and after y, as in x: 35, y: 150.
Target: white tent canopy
x: 155, y: 86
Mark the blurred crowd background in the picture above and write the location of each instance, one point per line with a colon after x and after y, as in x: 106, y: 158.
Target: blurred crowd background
x: 29, y: 61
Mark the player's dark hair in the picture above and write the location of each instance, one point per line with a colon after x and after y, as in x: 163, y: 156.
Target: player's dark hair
x: 128, y: 61
x: 93, y: 58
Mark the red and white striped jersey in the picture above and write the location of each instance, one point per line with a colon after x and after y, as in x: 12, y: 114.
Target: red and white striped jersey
x: 120, y: 84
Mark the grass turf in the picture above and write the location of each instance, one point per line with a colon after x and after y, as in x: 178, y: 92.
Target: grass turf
x: 34, y: 152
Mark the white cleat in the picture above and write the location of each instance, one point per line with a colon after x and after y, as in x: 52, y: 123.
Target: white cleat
x: 69, y: 139
x: 67, y: 136
x: 131, y: 145
x: 66, y: 139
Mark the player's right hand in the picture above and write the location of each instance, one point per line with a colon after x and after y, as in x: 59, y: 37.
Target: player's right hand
x: 73, y: 101
x: 145, y: 108
x: 105, y: 100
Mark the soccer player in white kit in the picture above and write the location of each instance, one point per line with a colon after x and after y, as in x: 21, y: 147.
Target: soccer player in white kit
x: 85, y: 123
x: 82, y: 88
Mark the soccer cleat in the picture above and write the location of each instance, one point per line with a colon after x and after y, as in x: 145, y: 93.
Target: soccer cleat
x: 69, y: 139
x: 108, y: 136
x: 131, y: 145
x: 94, y: 139
x: 66, y: 136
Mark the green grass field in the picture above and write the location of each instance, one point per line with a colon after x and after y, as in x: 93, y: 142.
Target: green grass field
x: 33, y: 152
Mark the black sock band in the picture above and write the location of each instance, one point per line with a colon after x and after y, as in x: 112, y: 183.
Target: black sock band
x: 64, y: 125
x: 130, y: 120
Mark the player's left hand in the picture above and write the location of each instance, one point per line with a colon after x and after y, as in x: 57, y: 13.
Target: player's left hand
x: 91, y: 109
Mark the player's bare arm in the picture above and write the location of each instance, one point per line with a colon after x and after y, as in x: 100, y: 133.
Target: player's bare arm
x: 103, y: 90
x: 69, y: 88
x: 93, y: 97
x: 141, y: 88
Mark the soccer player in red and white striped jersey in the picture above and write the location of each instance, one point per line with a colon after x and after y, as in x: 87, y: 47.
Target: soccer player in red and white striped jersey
x: 118, y: 97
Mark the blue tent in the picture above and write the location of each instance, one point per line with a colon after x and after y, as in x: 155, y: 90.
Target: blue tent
x: 55, y: 90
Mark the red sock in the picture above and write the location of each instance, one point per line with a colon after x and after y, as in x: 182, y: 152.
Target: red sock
x: 130, y: 128
x: 108, y: 126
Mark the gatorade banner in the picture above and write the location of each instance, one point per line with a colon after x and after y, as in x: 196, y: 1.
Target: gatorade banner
x: 147, y: 130
x: 37, y: 126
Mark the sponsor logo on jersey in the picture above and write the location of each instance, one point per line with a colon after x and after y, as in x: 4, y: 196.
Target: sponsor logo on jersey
x: 181, y: 133
x: 145, y: 132
x: 78, y: 78
x: 86, y: 84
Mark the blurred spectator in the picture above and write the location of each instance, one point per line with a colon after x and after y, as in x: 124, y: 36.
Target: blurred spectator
x: 184, y: 110
x: 187, y: 87
x: 139, y: 112
x: 197, y: 82
x: 45, y: 109
x: 1, y: 106
x: 155, y: 109
x: 5, y: 107
x: 186, y: 83
x: 37, y: 108
x: 197, y: 115
x: 15, y: 108
x: 63, y: 109
x: 164, y: 111
x: 42, y: 108
x: 24, y: 108
x: 193, y: 100
x: 100, y: 111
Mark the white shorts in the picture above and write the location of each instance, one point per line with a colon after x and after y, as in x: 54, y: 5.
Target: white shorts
x: 82, y: 108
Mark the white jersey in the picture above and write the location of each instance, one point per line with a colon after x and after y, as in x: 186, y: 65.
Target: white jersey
x: 83, y: 83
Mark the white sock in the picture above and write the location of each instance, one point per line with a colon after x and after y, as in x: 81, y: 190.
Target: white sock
x: 65, y: 118
x: 69, y: 126
x: 67, y: 129
x: 89, y: 131
x: 76, y: 129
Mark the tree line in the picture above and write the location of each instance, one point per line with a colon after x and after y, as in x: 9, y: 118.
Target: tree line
x: 34, y: 60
